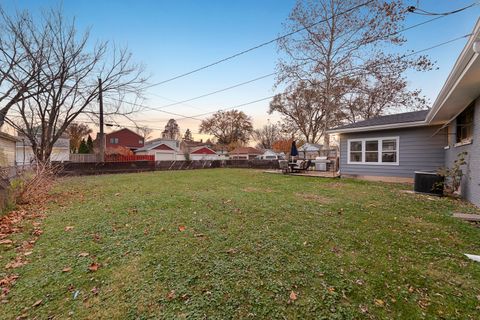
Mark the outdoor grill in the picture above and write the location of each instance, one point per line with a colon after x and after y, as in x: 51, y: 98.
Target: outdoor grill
x: 321, y: 163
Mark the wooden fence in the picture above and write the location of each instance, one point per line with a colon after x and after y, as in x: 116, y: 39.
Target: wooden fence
x: 93, y: 158
x: 83, y: 157
x: 122, y: 158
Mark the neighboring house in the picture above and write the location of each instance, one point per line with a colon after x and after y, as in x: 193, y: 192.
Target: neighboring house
x: 162, y: 149
x: 203, y: 153
x: 396, y: 146
x: 7, y: 150
x: 244, y: 153
x: 309, y: 150
x: 221, y: 150
x: 124, y: 138
x: 25, y: 155
x: 270, y: 155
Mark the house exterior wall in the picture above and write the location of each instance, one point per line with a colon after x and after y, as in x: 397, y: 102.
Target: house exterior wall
x: 470, y: 188
x: 163, y: 155
x: 194, y: 156
x: 420, y: 149
x: 60, y: 152
x: 7, y: 152
x: 126, y: 138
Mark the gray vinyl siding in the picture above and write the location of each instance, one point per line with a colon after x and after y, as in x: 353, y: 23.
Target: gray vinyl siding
x: 470, y: 188
x: 420, y: 149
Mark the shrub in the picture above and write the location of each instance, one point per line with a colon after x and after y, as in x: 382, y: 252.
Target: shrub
x: 32, y: 184
x: 453, y: 175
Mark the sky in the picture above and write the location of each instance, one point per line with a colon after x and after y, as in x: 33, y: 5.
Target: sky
x: 173, y: 37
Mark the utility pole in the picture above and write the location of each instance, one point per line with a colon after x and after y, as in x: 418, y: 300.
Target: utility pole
x: 102, y: 134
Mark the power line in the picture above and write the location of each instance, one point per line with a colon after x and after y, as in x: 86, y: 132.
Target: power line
x: 257, y: 46
x: 270, y: 97
x: 196, y: 117
x: 438, y: 45
x: 218, y: 91
x: 274, y: 73
x: 419, y: 11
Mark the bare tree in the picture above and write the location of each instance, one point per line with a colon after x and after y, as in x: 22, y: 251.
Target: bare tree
x: 145, y: 132
x: 172, y: 130
x: 23, y: 56
x: 76, y: 132
x: 70, y: 85
x: 228, y: 127
x: 267, y: 135
x: 302, y: 112
x: 345, y: 57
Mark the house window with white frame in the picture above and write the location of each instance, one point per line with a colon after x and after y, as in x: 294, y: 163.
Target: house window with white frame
x: 373, y: 151
x: 465, y: 125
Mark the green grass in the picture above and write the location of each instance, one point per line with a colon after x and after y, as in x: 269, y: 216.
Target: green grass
x: 348, y: 249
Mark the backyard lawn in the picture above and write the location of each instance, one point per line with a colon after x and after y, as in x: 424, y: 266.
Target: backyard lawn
x: 230, y: 244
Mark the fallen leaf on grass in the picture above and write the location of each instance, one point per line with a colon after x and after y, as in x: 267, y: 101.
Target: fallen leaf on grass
x: 331, y: 289
x: 379, y: 302
x: 37, y: 232
x: 363, y: 309
x: 232, y: 251
x: 27, y: 253
x: 293, y: 296
x: 171, y: 295
x: 17, y: 263
x: 37, y: 303
x: 8, y: 280
x: 117, y: 194
x: 94, y: 290
x: 181, y: 228
x: 6, y: 241
x: 67, y: 269
x: 69, y: 228
x: 83, y: 254
x: 423, y: 303
x: 199, y: 235
x: 94, y: 267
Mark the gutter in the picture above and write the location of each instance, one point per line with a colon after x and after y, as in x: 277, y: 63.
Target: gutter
x: 380, y: 127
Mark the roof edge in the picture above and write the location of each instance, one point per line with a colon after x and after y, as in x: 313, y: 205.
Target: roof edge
x: 380, y: 127
x: 464, y: 60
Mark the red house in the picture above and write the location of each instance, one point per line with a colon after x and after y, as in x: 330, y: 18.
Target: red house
x: 124, y: 138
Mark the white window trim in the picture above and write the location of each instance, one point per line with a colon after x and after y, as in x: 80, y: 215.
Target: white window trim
x: 380, y: 140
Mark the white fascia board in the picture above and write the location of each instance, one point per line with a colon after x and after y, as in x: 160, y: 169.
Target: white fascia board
x: 380, y: 127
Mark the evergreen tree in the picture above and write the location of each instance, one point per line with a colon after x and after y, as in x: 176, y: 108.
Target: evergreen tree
x: 90, y: 144
x: 188, y: 136
x: 83, y: 147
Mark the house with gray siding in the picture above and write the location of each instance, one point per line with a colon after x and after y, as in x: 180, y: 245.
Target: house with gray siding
x: 393, y: 147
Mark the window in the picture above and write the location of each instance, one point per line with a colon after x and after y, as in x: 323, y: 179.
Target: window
x: 373, y: 151
x: 465, y: 125
x: 355, y: 151
x: 114, y: 140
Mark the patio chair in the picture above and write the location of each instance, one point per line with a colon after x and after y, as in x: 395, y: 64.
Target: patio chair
x: 283, y: 165
x: 302, y: 166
